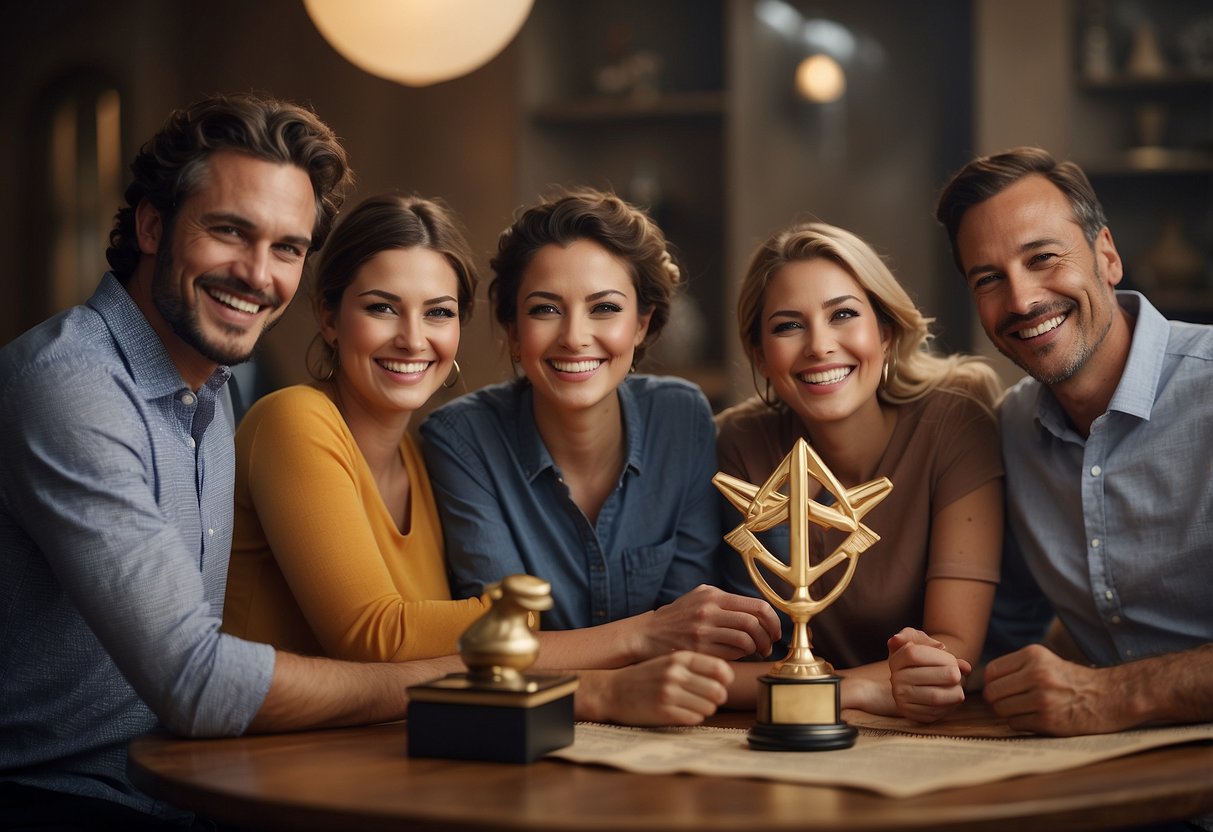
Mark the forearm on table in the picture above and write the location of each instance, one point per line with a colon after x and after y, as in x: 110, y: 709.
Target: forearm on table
x: 311, y: 692
x: 591, y: 702
x: 615, y: 644
x: 1175, y: 687
x: 867, y: 688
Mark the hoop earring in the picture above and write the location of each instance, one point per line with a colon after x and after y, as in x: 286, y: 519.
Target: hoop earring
x: 451, y: 381
x: 884, y: 374
x: 314, y: 369
x: 334, y: 360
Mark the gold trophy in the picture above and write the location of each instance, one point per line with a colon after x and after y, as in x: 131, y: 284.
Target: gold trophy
x: 496, y: 711
x: 799, y: 698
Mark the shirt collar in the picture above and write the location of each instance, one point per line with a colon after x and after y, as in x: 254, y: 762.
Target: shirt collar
x: 531, y: 451
x: 1139, y: 382
x: 144, y: 353
x: 1134, y: 395
x: 633, y: 430
x: 535, y: 456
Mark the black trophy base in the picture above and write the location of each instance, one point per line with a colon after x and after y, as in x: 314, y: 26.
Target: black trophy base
x: 801, y: 737
x: 494, y: 726
x: 800, y: 715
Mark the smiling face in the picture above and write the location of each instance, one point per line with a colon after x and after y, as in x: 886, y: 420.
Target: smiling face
x: 396, y: 331
x: 234, y: 257
x: 822, y: 345
x: 578, y: 325
x: 1044, y: 295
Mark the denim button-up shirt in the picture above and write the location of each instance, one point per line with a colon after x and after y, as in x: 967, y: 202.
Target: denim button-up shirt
x: 505, y: 508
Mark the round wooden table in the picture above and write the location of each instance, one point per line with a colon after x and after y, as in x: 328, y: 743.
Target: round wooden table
x: 362, y: 778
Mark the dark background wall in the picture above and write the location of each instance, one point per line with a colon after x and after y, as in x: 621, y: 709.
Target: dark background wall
x: 733, y: 153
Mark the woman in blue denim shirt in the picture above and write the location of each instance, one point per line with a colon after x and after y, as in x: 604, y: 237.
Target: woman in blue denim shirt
x: 582, y: 472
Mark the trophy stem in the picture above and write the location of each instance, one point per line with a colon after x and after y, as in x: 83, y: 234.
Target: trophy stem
x: 800, y: 661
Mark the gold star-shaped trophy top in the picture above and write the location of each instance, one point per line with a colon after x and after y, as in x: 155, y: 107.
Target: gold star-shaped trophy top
x: 767, y: 506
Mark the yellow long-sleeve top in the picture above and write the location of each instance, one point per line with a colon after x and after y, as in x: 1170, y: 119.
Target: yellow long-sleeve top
x: 318, y: 564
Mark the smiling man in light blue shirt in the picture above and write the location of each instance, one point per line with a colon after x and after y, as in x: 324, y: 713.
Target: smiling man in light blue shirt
x: 1106, y: 450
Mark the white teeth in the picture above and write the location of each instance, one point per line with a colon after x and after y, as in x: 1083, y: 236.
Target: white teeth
x: 576, y: 366
x: 407, y: 367
x: 1052, y: 323
x: 826, y: 376
x: 234, y: 302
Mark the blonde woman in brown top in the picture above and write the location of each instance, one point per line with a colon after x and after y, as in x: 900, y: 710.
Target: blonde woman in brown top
x: 845, y: 358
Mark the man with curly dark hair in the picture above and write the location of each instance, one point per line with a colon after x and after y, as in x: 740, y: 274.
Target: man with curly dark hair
x: 116, y: 487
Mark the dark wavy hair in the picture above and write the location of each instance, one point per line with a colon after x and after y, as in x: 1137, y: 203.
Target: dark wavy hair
x: 173, y: 163
x: 987, y: 176
x: 588, y: 214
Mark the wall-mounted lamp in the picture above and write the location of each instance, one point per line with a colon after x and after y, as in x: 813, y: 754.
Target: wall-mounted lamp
x: 418, y: 42
x: 820, y: 79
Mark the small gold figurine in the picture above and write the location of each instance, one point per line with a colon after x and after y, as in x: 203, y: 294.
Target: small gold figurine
x: 496, y: 711
x: 798, y: 702
x: 501, y: 644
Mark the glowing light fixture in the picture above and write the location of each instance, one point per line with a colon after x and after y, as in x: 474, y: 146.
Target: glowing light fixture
x: 820, y: 79
x: 418, y: 42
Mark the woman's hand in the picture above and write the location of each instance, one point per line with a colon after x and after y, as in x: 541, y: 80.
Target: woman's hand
x: 711, y: 621
x: 926, y: 680
x: 681, y: 688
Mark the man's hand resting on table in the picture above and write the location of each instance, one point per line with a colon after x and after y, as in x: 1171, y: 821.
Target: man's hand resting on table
x: 1036, y: 690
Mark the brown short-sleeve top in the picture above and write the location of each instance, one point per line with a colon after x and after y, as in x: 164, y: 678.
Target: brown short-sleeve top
x: 944, y: 447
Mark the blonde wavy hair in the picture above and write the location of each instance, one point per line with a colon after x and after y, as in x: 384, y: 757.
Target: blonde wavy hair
x: 914, y: 368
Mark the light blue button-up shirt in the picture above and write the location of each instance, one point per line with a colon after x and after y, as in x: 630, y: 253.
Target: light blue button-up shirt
x: 1117, y: 528
x: 505, y: 508
x: 115, y: 532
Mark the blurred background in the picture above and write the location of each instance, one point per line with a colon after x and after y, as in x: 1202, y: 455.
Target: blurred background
x: 727, y: 119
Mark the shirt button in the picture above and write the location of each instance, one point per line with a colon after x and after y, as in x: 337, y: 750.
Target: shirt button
x: 1096, y: 470
x: 1095, y: 543
x: 210, y: 532
x: 191, y: 442
x: 187, y: 399
x: 1129, y: 653
x: 1116, y: 619
x: 1107, y: 593
x: 600, y: 613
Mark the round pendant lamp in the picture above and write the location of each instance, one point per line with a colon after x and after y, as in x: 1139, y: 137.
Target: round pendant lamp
x: 418, y: 42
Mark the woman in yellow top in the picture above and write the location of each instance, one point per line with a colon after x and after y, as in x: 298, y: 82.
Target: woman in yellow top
x: 337, y: 548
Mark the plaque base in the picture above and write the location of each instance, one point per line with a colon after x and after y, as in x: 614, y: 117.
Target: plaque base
x: 454, y: 718
x: 800, y: 714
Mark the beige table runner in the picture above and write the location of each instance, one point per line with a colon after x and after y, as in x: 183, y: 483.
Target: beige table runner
x: 889, y: 762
